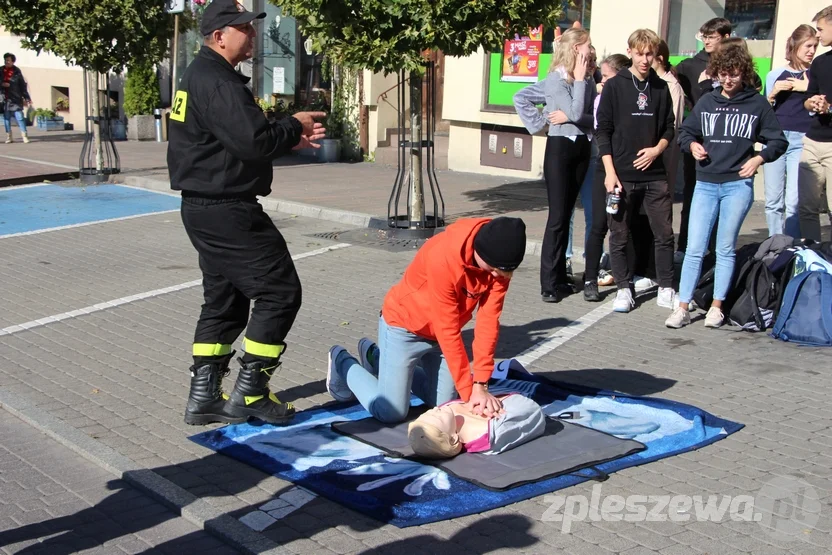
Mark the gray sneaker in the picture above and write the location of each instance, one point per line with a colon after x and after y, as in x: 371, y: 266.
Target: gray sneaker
x: 335, y: 384
x: 623, y: 301
x: 678, y: 319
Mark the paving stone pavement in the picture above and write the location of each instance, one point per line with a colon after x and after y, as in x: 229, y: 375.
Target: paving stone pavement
x: 120, y: 376
x: 54, y: 502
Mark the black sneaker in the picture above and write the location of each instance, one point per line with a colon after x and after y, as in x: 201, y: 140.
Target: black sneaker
x: 591, y: 292
x: 550, y: 296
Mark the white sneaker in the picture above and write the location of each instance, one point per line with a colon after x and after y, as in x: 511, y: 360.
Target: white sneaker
x: 678, y: 319
x: 9, y: 139
x: 26, y: 139
x: 714, y: 318
x: 368, y: 354
x: 335, y: 384
x: 623, y: 301
x: 642, y: 283
x: 666, y: 297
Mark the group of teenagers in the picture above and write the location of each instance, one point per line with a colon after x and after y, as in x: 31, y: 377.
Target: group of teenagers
x: 620, y: 128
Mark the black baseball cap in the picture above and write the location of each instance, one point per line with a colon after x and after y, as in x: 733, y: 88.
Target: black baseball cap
x: 221, y: 13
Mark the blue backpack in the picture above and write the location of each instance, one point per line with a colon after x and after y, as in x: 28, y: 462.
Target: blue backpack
x: 806, y: 313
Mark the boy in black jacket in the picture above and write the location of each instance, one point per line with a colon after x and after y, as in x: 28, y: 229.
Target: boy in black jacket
x: 635, y: 126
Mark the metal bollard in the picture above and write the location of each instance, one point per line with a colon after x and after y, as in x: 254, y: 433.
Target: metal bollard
x: 157, y: 113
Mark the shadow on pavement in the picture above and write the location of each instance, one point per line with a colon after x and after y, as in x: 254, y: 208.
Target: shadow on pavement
x: 629, y: 382
x: 507, y: 197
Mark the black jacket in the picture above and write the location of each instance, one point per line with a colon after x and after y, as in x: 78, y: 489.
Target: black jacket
x: 220, y: 143
x: 728, y: 128
x: 17, y: 92
x: 688, y: 72
x: 633, y: 115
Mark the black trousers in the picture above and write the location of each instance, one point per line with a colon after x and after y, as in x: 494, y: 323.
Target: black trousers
x: 598, y: 232
x: 658, y: 203
x: 564, y: 167
x: 689, y: 171
x: 243, y: 257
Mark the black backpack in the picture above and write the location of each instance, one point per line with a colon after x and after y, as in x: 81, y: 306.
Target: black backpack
x: 704, y: 292
x: 754, y: 299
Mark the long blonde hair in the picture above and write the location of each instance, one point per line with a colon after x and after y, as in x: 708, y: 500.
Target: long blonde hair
x: 565, y: 55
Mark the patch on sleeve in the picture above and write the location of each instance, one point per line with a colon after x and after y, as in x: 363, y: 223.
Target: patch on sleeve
x: 180, y: 104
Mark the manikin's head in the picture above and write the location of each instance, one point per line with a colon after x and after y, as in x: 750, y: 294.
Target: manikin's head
x: 434, y: 434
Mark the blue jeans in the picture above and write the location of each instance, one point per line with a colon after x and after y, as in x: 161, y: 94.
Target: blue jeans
x: 781, y: 188
x: 730, y: 202
x: 21, y: 120
x: 586, y: 202
x: 406, y: 362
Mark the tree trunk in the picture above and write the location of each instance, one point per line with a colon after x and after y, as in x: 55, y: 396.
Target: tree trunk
x: 96, y: 124
x: 417, y: 190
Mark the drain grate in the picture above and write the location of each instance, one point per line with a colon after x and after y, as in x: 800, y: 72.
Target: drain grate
x: 373, y: 238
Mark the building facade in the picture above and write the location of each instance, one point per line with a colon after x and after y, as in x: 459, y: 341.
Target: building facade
x: 486, y: 136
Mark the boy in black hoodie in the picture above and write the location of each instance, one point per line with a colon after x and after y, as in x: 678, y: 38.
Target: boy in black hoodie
x: 635, y: 126
x: 721, y: 134
x: 695, y: 82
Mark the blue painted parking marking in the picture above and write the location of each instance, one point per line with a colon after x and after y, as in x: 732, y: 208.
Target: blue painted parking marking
x: 33, y: 209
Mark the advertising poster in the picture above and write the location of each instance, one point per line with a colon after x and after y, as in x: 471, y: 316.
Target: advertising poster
x: 521, y: 57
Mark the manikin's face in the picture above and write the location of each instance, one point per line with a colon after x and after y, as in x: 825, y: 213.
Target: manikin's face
x: 441, y: 418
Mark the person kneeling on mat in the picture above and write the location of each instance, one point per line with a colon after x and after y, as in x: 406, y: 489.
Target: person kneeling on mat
x: 446, y: 431
x: 420, y: 346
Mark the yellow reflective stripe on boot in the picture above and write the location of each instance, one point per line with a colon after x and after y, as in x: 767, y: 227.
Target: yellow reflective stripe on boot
x: 272, y: 397
x: 262, y: 350
x: 211, y: 349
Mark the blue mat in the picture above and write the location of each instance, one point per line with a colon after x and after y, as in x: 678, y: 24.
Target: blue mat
x: 407, y: 493
x: 49, y: 206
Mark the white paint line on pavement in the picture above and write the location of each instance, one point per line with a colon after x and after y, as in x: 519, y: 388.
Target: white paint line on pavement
x: 41, y: 162
x: 564, y: 334
x: 570, y: 331
x: 84, y: 224
x: 137, y: 297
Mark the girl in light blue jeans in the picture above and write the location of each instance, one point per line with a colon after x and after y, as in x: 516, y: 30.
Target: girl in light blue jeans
x: 786, y: 92
x: 720, y: 134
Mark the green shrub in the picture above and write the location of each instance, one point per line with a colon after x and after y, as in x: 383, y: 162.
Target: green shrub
x: 141, y: 90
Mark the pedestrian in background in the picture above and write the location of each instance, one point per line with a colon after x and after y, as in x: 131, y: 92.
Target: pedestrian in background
x: 15, y: 94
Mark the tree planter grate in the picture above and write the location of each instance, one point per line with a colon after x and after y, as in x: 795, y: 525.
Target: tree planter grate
x: 383, y: 239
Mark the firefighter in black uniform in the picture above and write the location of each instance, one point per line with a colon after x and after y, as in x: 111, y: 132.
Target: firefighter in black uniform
x: 220, y: 153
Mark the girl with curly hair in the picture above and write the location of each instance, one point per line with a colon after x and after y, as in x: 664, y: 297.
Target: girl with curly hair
x: 721, y: 134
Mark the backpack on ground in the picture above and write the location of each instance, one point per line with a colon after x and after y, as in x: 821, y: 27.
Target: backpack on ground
x: 753, y: 301
x: 808, y: 260
x: 806, y: 314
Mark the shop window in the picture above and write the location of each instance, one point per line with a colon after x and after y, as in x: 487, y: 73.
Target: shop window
x: 752, y: 20
x: 60, y: 99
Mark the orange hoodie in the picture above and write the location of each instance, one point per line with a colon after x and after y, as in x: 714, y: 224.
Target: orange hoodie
x: 437, y: 296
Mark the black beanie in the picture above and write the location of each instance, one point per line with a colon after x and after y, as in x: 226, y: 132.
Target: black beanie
x: 501, y: 243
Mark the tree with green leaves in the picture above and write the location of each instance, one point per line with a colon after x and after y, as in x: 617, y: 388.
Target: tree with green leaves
x: 141, y: 89
x: 393, y: 35
x: 99, y: 36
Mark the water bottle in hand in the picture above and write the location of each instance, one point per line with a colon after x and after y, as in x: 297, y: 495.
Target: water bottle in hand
x: 613, y: 200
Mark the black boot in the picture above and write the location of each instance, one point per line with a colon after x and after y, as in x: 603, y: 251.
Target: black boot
x: 206, y: 401
x: 251, y: 395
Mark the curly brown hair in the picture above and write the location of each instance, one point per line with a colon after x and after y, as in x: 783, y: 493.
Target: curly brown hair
x: 732, y: 57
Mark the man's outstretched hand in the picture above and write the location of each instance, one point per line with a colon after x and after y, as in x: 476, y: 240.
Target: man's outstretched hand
x: 312, y: 130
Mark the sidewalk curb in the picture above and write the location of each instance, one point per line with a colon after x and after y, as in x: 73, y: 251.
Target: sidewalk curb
x: 196, y: 510
x: 273, y: 205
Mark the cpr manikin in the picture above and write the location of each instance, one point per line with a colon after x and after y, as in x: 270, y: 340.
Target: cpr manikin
x: 447, y: 430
